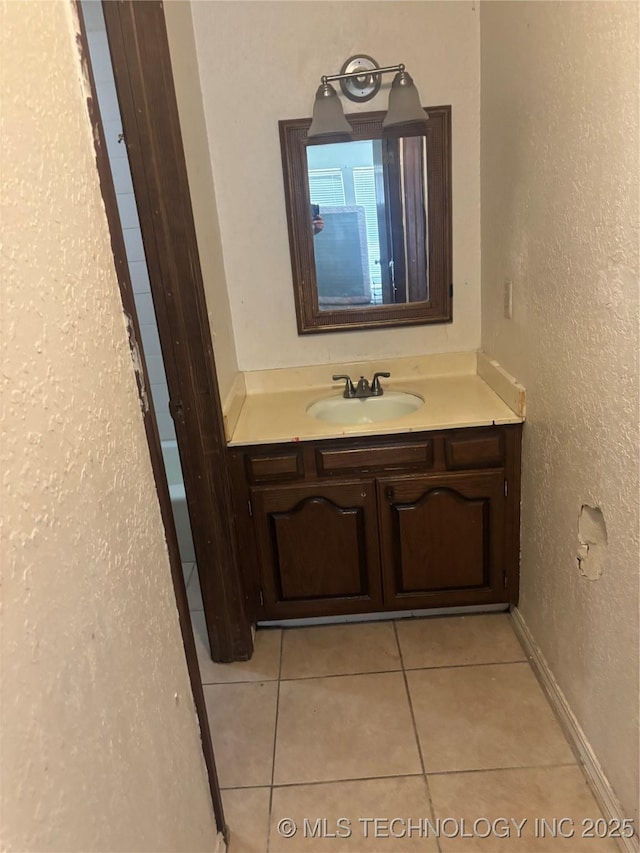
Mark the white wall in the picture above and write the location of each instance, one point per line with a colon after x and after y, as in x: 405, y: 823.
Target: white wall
x: 560, y: 144
x: 262, y: 61
x: 99, y: 740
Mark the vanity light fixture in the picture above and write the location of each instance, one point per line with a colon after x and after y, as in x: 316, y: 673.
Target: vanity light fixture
x: 360, y: 80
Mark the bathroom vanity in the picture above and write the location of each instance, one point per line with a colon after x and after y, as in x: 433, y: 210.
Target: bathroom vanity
x: 406, y: 514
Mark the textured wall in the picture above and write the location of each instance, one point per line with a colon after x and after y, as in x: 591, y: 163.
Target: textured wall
x: 262, y: 61
x: 203, y: 197
x: 560, y: 218
x: 100, y: 743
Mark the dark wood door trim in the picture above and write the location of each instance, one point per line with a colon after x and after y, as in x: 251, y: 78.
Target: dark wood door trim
x: 144, y: 83
x: 151, y: 430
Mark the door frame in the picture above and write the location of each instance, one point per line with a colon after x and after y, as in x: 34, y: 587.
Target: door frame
x: 228, y: 627
x: 141, y: 61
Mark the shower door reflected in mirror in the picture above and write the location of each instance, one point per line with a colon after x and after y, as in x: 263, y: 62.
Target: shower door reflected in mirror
x: 370, y: 223
x: 369, y: 217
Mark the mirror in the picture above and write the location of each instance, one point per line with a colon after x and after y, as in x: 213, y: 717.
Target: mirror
x: 370, y: 224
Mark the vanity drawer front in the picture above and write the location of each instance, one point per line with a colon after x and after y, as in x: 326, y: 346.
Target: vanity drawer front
x: 475, y: 450
x: 337, y: 461
x: 285, y: 465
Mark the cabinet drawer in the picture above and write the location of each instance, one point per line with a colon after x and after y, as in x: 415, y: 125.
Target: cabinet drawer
x: 475, y: 450
x: 335, y: 461
x: 286, y: 465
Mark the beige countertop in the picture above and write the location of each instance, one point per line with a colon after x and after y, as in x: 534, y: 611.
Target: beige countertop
x: 272, y: 413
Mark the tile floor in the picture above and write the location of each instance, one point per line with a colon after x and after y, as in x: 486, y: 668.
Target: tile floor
x: 406, y: 722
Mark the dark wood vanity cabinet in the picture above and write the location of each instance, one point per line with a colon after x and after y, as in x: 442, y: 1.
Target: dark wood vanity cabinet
x: 387, y: 523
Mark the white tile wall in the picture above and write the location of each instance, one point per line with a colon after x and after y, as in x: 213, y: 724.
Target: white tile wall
x: 121, y: 175
x: 116, y: 149
x: 139, y: 277
x: 166, y: 429
x: 155, y: 369
x: 100, y: 59
x: 144, y: 308
x: 93, y: 17
x: 160, y: 395
x: 128, y: 210
x: 150, y: 341
x: 108, y: 100
x: 133, y: 244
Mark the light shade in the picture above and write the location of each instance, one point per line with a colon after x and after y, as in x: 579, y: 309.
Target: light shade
x: 404, y: 103
x: 328, y: 115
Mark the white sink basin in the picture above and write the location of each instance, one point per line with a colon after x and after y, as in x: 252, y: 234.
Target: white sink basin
x: 368, y: 410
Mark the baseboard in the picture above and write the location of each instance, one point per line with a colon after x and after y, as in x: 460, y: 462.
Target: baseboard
x: 602, y: 790
x: 310, y: 621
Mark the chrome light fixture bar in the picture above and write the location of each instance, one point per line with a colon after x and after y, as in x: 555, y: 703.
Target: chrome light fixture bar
x: 360, y: 80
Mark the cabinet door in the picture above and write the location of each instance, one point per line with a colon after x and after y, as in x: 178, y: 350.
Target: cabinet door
x: 318, y: 549
x: 442, y: 539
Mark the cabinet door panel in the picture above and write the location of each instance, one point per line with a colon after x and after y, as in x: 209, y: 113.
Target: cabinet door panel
x: 433, y: 553
x: 318, y: 549
x: 442, y: 539
x: 313, y: 564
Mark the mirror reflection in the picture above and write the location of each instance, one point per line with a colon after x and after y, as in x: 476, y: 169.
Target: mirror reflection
x: 369, y: 222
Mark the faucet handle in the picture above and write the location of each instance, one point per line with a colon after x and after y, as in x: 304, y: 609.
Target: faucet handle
x: 376, y: 387
x: 349, y: 390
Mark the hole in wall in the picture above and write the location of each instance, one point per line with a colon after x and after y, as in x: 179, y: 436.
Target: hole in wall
x: 592, y: 542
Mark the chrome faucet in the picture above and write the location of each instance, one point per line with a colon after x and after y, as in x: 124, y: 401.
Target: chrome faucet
x: 363, y: 389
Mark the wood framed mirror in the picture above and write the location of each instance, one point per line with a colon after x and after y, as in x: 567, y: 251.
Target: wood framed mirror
x: 370, y: 224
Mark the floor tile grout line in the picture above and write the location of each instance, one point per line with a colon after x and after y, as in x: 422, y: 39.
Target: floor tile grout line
x: 247, y: 681
x: 275, y: 741
x: 306, y: 677
x: 244, y: 787
x: 402, y: 667
x: 350, y: 779
x: 398, y: 646
x: 368, y: 672
x: 466, y: 665
x: 236, y: 683
x: 400, y: 776
x: 343, y: 674
x: 415, y: 731
x: 501, y: 769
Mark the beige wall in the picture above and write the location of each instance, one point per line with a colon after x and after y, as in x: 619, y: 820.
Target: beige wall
x: 203, y: 196
x: 100, y: 744
x: 560, y: 149
x: 262, y: 61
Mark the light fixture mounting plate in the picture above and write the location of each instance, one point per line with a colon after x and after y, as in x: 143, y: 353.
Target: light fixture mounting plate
x: 366, y: 85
